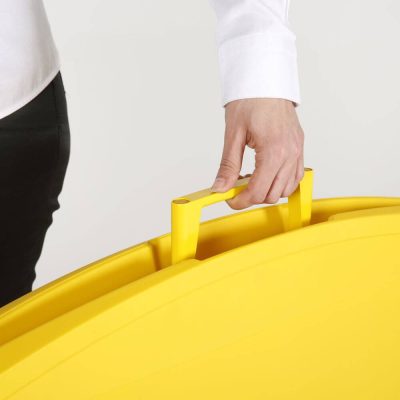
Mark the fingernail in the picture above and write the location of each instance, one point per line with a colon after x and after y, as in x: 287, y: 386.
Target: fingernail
x: 218, y: 185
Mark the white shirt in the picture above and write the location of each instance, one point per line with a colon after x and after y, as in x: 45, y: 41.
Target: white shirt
x: 28, y: 57
x: 256, y: 51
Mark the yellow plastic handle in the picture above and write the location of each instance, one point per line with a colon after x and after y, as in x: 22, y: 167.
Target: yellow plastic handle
x: 186, y: 213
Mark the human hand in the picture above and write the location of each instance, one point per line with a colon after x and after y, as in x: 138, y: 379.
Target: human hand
x: 269, y: 126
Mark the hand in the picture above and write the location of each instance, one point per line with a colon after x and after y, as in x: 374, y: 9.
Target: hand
x: 269, y: 126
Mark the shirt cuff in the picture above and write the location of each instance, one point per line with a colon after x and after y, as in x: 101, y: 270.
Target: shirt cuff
x: 259, y: 65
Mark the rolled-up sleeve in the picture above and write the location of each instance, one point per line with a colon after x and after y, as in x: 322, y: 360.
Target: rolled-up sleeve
x: 256, y: 50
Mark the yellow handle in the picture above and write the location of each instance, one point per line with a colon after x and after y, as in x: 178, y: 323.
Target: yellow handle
x: 186, y: 213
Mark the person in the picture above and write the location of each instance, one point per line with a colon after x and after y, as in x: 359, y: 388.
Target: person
x: 260, y: 93
x: 257, y: 59
x: 34, y: 141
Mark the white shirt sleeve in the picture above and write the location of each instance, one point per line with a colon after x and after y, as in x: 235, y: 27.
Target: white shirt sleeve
x: 256, y: 50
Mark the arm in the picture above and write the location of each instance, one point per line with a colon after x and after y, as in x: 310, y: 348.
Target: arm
x: 260, y: 90
x: 256, y: 50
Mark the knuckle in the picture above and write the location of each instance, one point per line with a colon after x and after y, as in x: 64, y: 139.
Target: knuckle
x: 272, y: 198
x: 256, y: 197
x: 296, y: 152
x: 278, y: 180
x: 227, y: 166
x: 279, y: 152
x: 288, y: 191
x: 283, y: 152
x: 295, y: 149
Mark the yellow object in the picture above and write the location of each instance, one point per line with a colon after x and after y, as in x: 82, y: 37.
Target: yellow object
x: 293, y: 301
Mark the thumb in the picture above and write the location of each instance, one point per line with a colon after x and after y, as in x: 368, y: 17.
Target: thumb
x: 231, y: 163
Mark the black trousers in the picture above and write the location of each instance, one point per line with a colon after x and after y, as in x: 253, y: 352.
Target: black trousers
x: 34, y: 154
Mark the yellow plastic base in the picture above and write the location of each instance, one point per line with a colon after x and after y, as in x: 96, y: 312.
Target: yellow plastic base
x: 258, y: 314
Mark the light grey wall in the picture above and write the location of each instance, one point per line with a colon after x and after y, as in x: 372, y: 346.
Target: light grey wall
x: 147, y: 125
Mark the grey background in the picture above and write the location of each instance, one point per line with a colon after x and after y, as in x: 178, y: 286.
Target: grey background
x: 147, y: 125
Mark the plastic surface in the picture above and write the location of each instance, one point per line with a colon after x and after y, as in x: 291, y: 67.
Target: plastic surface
x: 265, y: 310
x: 186, y: 212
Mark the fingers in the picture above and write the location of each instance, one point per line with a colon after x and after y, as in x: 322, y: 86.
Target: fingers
x: 269, y: 126
x: 296, y: 176
x: 284, y: 179
x: 259, y: 183
x: 231, y: 161
x: 277, y: 174
x: 300, y: 169
x: 291, y: 183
